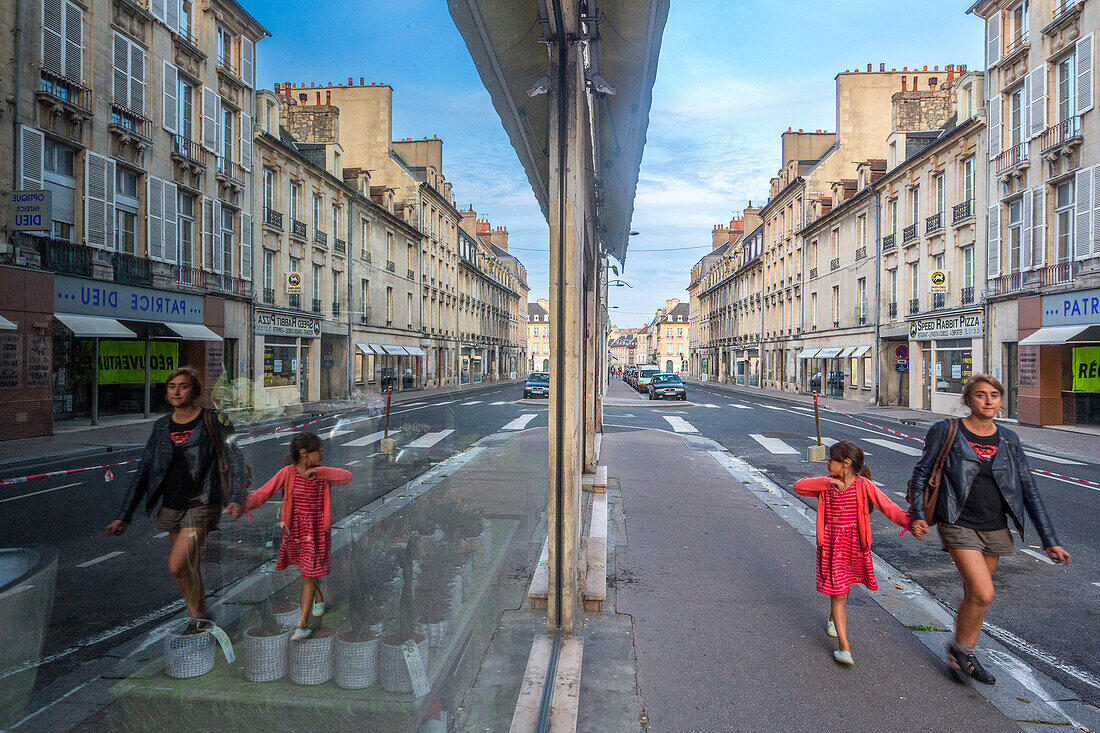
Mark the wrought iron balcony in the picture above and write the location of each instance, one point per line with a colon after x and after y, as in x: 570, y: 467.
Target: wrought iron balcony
x: 320, y: 238
x: 225, y: 63
x: 1062, y: 11
x: 962, y: 212
x: 193, y: 276
x: 411, y: 275
x: 1010, y: 283
x: 269, y: 295
x: 892, y: 309
x: 229, y: 284
x: 861, y: 253
x: 933, y: 223
x: 187, y: 149
x: 1060, y: 274
x: 1011, y: 158
x: 317, y: 306
x: 968, y: 295
x: 125, y: 120
x: 939, y: 300
x: 273, y: 218
x: 72, y: 94
x: 64, y: 257
x: 298, y: 228
x: 232, y: 171
x: 391, y: 266
x: 294, y: 300
x: 1018, y: 43
x: 131, y: 270
x: 335, y: 309
x: 889, y: 242
x: 909, y: 233
x: 339, y: 246
x: 914, y: 305
x: 834, y: 264
x: 1066, y: 131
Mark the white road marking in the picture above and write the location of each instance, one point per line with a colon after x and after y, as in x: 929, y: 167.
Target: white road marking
x: 520, y: 422
x: 413, y: 404
x: 16, y: 590
x: 501, y: 402
x: 1066, y: 481
x: 801, y: 409
x: 264, y: 438
x: 774, y: 445
x: 899, y: 447
x: 99, y: 559
x: 368, y: 439
x: 447, y: 402
x: 1097, y: 585
x: 1053, y: 459
x: 336, y: 433
x: 160, y: 535
x: 715, y: 407
x: 429, y: 439
x: 824, y: 441
x: 43, y: 491
x: 679, y: 424
x: 471, y: 402
x: 1037, y: 555
x: 773, y: 407
x: 740, y: 407
x: 899, y: 493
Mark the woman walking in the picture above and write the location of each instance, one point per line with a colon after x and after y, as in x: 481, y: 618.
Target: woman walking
x: 844, y: 533
x: 985, y: 480
x: 179, y: 472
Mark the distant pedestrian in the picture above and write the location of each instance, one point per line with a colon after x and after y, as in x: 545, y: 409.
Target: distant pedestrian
x: 985, y: 479
x: 179, y: 470
x: 306, y: 519
x: 844, y: 499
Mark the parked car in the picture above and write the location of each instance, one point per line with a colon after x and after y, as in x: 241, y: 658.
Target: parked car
x: 645, y: 373
x: 667, y: 386
x: 628, y: 375
x: 537, y: 385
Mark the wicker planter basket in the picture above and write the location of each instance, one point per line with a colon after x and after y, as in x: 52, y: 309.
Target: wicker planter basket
x: 311, y: 659
x: 265, y: 656
x: 393, y: 670
x: 356, y: 664
x: 289, y: 617
x: 189, y: 655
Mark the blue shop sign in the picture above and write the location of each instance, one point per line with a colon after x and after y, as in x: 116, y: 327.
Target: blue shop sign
x: 128, y: 302
x: 1079, y: 308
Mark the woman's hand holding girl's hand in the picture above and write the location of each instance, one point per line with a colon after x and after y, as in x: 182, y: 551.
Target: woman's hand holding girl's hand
x: 1058, y: 555
x: 233, y: 509
x: 919, y: 528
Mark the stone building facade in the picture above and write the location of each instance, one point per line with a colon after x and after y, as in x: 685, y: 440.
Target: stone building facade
x: 538, y: 335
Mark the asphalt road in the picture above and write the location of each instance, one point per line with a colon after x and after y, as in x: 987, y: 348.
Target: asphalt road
x: 111, y: 589
x: 1053, y: 611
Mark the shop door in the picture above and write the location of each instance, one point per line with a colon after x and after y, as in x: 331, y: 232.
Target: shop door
x: 303, y: 370
x: 1011, y: 360
x: 929, y: 377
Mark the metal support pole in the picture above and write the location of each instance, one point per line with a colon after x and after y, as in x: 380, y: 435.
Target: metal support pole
x: 95, y: 383
x: 148, y: 376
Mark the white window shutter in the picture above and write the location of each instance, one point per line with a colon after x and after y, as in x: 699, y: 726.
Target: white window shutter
x: 155, y: 230
x: 137, y: 79
x: 246, y: 143
x: 207, y: 234
x: 246, y: 246
x: 53, y: 36
x: 248, y: 62
x: 994, y: 242
x: 31, y: 144
x: 1025, y: 110
x: 159, y: 9
x: 95, y: 200
x: 1084, y: 74
x: 1096, y: 211
x: 171, y: 223
x: 1026, y: 231
x: 994, y: 125
x: 1038, y: 224
x: 219, y: 252
x: 74, y: 42
x: 1082, y: 233
x: 171, y: 92
x: 209, y: 119
x: 172, y: 15
x: 120, y: 64
x: 993, y: 40
x: 1038, y: 108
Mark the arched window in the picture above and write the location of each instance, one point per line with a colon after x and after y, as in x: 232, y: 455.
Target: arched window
x: 668, y: 366
x: 546, y: 365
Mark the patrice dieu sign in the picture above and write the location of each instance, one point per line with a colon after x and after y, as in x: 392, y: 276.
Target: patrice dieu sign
x: 128, y: 302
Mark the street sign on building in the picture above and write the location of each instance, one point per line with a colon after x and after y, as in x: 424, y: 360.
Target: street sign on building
x: 31, y: 211
x: 937, y: 282
x: 901, y: 365
x: 293, y: 283
x: 958, y: 325
x: 901, y: 352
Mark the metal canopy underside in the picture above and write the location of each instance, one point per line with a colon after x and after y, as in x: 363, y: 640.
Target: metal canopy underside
x: 506, y: 41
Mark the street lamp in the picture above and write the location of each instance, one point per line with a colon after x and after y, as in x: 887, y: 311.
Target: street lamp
x: 619, y: 284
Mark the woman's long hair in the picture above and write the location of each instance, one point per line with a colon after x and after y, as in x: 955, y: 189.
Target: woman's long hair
x: 304, y: 440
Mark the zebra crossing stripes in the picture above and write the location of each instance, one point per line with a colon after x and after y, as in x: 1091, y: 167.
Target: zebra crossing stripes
x: 429, y: 439
x: 520, y: 422
x: 680, y: 425
x: 471, y: 402
x: 899, y: 447
x: 739, y: 406
x: 368, y: 439
x: 774, y: 446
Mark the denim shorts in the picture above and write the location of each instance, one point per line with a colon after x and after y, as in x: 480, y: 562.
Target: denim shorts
x: 997, y: 542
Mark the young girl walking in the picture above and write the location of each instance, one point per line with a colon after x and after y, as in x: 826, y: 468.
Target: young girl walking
x: 306, y: 521
x: 844, y: 533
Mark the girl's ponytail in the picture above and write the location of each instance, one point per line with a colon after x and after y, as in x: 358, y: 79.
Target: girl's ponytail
x: 865, y: 472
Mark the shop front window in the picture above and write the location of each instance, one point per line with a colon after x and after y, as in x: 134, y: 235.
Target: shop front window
x: 954, y: 364
x: 280, y: 362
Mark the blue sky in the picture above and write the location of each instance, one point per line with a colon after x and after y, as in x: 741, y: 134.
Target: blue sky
x: 732, y: 77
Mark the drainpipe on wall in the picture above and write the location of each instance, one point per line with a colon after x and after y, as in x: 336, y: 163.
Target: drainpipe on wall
x: 348, y: 310
x: 878, y: 296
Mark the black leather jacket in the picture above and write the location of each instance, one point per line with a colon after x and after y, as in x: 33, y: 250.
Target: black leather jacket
x: 1010, y: 470
x: 199, y: 453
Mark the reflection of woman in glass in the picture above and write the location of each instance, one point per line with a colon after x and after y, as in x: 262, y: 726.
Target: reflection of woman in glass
x: 179, y: 471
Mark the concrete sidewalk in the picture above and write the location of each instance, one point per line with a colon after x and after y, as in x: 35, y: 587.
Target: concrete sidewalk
x: 1081, y: 443
x: 78, y: 439
x: 729, y: 631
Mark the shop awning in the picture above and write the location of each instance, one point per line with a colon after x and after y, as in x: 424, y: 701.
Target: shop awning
x: 393, y: 350
x: 376, y: 349
x: 94, y: 326
x: 193, y: 331
x: 6, y: 325
x: 415, y: 351
x: 808, y: 353
x: 848, y: 351
x: 862, y: 350
x: 1062, y: 335
x: 364, y: 348
x: 830, y: 353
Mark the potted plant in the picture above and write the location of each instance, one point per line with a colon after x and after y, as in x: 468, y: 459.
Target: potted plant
x: 393, y: 668
x: 265, y: 645
x: 311, y: 658
x: 371, y: 570
x: 189, y: 649
x: 434, y: 593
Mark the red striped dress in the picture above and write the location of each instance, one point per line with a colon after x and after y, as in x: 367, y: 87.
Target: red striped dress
x: 309, y: 544
x: 841, y: 562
